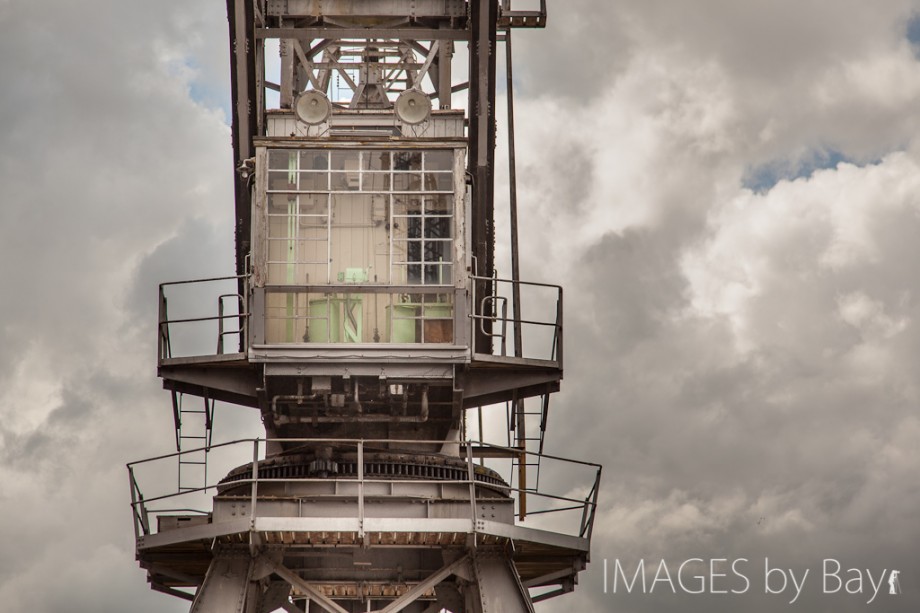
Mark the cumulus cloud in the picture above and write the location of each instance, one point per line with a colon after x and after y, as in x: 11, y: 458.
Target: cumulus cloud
x: 750, y: 380
x: 106, y: 156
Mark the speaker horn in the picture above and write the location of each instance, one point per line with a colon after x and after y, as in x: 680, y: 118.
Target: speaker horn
x: 413, y: 106
x: 312, y: 107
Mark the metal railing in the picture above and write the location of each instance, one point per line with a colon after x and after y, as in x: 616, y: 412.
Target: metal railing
x: 542, y: 297
x: 145, y: 508
x: 240, y: 318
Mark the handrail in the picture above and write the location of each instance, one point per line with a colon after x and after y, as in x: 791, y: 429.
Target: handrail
x: 220, y: 318
x: 141, y: 509
x: 493, y: 318
x: 530, y: 283
x: 207, y: 280
x: 483, y: 314
x: 164, y: 344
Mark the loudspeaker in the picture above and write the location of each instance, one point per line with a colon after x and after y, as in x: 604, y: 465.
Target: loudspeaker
x: 312, y: 107
x: 413, y: 106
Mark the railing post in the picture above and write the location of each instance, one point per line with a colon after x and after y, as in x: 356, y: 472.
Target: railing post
x: 597, y: 489
x: 471, y: 474
x: 472, y: 316
x: 244, y: 318
x: 220, y: 325
x: 255, y: 483
x: 505, y: 328
x: 145, y: 518
x: 133, y: 484
x: 162, y: 328
x: 361, y: 490
x: 559, y: 346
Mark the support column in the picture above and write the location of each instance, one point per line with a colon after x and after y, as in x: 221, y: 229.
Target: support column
x: 483, y: 38
x: 497, y: 588
x: 226, y: 585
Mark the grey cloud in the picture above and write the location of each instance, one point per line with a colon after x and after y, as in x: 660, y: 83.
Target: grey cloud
x: 805, y: 428
x: 104, y: 157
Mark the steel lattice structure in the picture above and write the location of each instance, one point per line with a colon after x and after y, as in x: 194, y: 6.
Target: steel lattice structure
x: 364, y: 323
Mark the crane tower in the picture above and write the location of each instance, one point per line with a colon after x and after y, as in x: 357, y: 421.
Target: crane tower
x: 368, y: 327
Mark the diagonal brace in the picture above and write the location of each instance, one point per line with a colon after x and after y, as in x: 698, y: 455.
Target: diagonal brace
x: 409, y: 597
x: 307, y: 64
x: 294, y: 579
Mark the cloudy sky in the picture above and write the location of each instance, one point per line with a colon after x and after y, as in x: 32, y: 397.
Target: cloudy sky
x: 728, y: 190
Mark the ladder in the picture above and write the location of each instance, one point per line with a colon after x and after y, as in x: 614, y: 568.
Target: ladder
x: 193, y: 441
x: 529, y: 427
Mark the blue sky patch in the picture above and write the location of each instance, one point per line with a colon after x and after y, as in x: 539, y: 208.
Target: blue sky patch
x: 762, y: 178
x: 913, y: 33
x: 913, y: 29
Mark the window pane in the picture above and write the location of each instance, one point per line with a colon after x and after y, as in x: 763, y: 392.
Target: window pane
x: 437, y: 251
x: 345, y: 181
x: 376, y: 160
x: 403, y: 205
x: 439, y: 205
x: 314, y: 160
x: 345, y: 160
x: 437, y: 274
x: 375, y: 182
x: 278, y: 203
x: 439, y: 181
x: 407, y: 251
x: 313, y: 204
x: 282, y: 181
x: 407, y: 182
x: 414, y: 227
x: 310, y: 181
x: 439, y: 160
x: 279, y: 159
x: 407, y: 160
x: 438, y: 227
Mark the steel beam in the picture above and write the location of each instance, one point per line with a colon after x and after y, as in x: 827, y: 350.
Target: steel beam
x: 225, y: 586
x: 483, y: 15
x: 314, y: 33
x: 294, y: 579
x: 243, y: 91
x: 412, y: 595
x: 497, y: 588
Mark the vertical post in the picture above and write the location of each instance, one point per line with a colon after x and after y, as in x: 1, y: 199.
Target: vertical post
x: 597, y: 487
x: 162, y: 329
x: 361, y: 490
x: 521, y: 440
x: 559, y: 340
x: 220, y: 325
x: 255, y: 483
x: 286, y: 97
x: 520, y: 417
x: 243, y: 85
x: 504, y: 327
x: 245, y: 309
x: 445, y: 56
x: 483, y: 37
x: 133, y: 483
x: 471, y: 475
x: 512, y: 184
x: 482, y: 436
